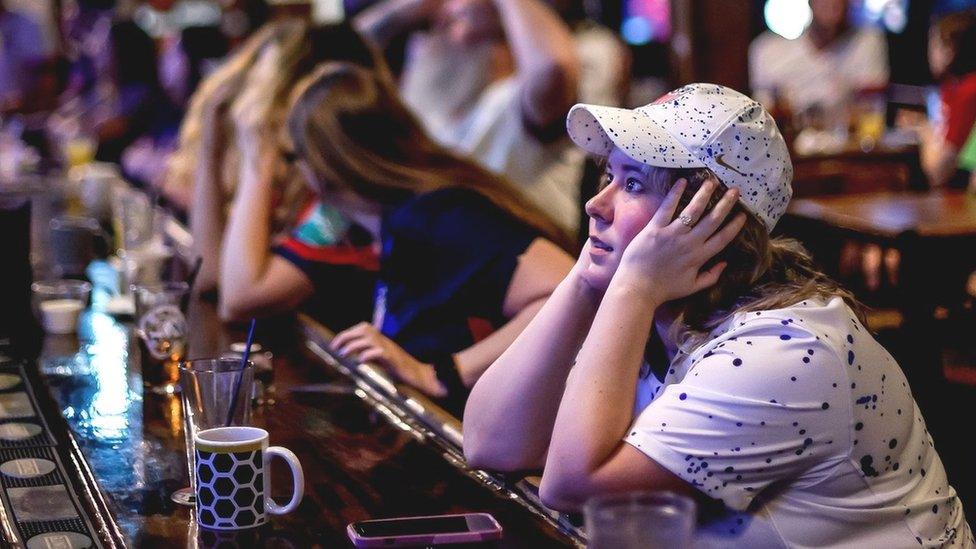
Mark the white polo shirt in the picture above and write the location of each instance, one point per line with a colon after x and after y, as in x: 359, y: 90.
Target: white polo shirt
x: 810, y: 76
x: 805, y: 428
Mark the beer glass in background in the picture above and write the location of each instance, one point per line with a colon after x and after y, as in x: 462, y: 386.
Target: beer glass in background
x: 869, y: 123
x: 79, y: 150
x: 640, y: 520
x: 132, y: 218
x: 95, y: 184
x: 73, y: 244
x: 146, y: 265
x: 207, y: 388
x: 162, y: 329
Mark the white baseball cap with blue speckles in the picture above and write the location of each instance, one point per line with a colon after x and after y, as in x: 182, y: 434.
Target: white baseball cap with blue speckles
x: 698, y: 126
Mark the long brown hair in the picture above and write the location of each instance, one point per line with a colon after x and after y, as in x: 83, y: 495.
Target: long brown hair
x: 231, y: 73
x: 302, y: 46
x: 763, y: 272
x: 354, y: 133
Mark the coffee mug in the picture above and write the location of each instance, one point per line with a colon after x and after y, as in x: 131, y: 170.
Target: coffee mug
x: 233, y: 482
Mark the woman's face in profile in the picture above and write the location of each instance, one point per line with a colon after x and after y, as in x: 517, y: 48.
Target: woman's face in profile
x: 617, y: 213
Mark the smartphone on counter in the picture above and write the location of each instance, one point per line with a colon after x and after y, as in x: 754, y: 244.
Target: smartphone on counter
x: 430, y: 530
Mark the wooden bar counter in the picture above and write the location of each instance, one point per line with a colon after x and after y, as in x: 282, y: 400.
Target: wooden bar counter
x: 369, y: 449
x: 364, y: 454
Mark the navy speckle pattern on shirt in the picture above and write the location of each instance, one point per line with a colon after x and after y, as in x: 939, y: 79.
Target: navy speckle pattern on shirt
x: 839, y: 434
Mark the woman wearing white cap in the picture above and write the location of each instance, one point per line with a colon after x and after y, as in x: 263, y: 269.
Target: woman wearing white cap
x: 769, y: 396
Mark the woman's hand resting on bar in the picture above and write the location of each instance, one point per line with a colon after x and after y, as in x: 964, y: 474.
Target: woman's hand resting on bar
x: 365, y: 343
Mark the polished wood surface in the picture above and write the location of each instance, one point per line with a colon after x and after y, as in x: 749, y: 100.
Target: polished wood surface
x: 360, y: 461
x: 943, y: 213
x: 369, y: 449
x: 852, y: 171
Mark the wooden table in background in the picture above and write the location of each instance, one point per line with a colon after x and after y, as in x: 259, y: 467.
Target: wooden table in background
x: 934, y: 231
x: 855, y: 171
x: 888, y: 216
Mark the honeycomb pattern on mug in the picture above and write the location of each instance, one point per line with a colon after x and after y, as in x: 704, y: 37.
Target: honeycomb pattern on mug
x: 231, y: 489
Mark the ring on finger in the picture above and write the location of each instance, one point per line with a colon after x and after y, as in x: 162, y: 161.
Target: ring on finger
x: 686, y: 220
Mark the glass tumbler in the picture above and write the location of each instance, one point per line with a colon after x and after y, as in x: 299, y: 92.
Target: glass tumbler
x: 639, y: 520
x: 208, y: 389
x: 162, y: 330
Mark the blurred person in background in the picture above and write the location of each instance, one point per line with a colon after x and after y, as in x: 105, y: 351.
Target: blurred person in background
x: 183, y: 63
x: 24, y: 51
x: 210, y: 99
x: 493, y: 79
x: 217, y: 157
x: 137, y: 104
x: 113, y: 93
x: 605, y: 61
x: 952, y: 61
x: 464, y: 263
x: 967, y: 162
x: 820, y: 71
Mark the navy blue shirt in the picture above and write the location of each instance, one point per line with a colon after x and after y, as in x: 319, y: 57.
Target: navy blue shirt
x: 340, y: 261
x: 446, y: 262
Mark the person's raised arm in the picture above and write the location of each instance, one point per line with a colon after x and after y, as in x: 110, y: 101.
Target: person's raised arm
x: 207, y: 211
x: 938, y: 157
x: 545, y: 59
x: 510, y: 413
x: 254, y: 281
x: 382, y: 22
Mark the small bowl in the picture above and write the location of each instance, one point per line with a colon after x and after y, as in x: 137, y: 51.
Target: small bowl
x: 59, y: 303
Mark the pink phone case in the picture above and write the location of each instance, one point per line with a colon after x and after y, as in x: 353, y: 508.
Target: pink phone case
x: 488, y: 534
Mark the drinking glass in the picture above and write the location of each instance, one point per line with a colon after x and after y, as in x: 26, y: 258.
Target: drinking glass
x: 639, y: 520
x: 132, y: 218
x: 162, y: 330
x: 208, y: 388
x: 145, y: 265
x: 73, y: 243
x: 80, y: 150
x: 59, y: 303
x: 870, y: 121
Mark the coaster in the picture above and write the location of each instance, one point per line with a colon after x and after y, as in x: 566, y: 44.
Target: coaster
x: 41, y: 503
x: 8, y: 381
x: 19, y: 431
x: 27, y: 468
x: 60, y: 540
x: 15, y: 405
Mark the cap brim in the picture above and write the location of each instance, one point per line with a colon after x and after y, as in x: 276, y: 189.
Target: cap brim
x: 598, y: 130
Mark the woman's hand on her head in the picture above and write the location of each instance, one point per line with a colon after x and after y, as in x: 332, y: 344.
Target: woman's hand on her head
x: 365, y: 343
x: 577, y: 274
x: 666, y: 258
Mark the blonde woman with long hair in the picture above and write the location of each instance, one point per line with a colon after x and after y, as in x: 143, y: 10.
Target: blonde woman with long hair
x: 688, y: 350
x: 464, y: 261
x: 248, y: 94
x: 215, y: 91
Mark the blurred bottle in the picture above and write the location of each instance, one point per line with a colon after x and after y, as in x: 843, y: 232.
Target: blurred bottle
x: 870, y: 124
x: 782, y: 113
x: 20, y: 335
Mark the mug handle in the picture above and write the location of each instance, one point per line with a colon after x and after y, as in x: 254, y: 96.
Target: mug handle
x: 298, y: 481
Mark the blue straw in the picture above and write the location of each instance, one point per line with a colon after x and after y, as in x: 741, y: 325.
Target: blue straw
x: 240, y: 377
